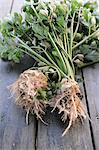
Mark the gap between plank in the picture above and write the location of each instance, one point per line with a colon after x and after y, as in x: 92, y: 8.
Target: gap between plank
x: 11, y: 6
x: 86, y: 99
x: 36, y: 132
x: 35, y: 120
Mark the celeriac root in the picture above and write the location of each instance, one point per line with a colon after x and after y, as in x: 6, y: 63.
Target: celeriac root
x: 68, y: 102
x: 67, y: 99
x: 25, y: 91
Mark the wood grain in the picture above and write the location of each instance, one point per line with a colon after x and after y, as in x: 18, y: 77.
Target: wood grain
x: 13, y: 129
x: 5, y: 7
x: 91, y: 77
x: 17, y: 5
x: 77, y: 138
x: 14, y: 133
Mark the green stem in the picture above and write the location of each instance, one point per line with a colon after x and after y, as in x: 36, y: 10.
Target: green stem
x: 65, y: 43
x: 71, y: 35
x: 77, y: 24
x: 38, y: 60
x: 69, y: 67
x: 88, y: 64
x: 37, y: 15
x: 54, y: 63
x: 61, y: 58
x: 86, y: 38
x: 65, y: 53
x: 33, y: 52
x: 35, y: 11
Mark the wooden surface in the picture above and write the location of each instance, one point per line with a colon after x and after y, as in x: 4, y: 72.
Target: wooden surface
x: 77, y: 138
x: 16, y: 135
x: 5, y: 8
x: 91, y: 77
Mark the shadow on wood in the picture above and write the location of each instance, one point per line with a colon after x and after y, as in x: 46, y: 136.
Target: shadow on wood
x: 13, y: 130
x: 50, y: 137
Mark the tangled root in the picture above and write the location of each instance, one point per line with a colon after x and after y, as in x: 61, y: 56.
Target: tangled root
x: 68, y: 102
x: 25, y: 91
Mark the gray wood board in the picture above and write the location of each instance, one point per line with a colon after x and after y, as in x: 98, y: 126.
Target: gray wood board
x: 50, y: 137
x: 14, y: 133
x: 17, y: 5
x: 5, y: 7
x: 91, y: 78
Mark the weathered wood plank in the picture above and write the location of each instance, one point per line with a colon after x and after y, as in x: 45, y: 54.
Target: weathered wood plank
x: 14, y: 133
x: 5, y: 7
x: 13, y: 130
x: 17, y: 5
x: 91, y: 77
x: 49, y: 137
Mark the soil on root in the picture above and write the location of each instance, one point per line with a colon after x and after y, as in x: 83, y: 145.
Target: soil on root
x: 68, y: 102
x: 67, y: 99
x: 25, y: 91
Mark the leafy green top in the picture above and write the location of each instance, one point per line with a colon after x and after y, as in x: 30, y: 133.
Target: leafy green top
x: 56, y: 34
